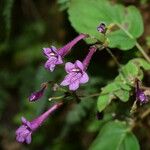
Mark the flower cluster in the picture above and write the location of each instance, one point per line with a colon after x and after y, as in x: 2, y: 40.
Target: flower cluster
x: 55, y: 56
x: 76, y: 75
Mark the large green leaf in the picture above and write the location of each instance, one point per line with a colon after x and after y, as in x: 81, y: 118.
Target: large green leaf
x: 115, y: 135
x: 85, y: 16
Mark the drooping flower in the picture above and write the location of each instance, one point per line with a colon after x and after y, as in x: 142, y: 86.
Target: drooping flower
x: 37, y: 95
x: 140, y: 93
x: 24, y: 132
x: 55, y: 56
x: 102, y: 28
x: 77, y: 72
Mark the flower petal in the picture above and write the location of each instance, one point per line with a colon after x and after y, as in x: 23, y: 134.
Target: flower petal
x: 69, y: 66
x: 84, y: 78
x: 28, y: 139
x: 79, y: 65
x: 24, y: 120
x: 50, y: 63
x: 74, y: 86
x: 66, y: 81
x: 54, y: 49
x: 59, y: 60
x: 21, y: 128
x: 75, y: 77
x: 20, y: 139
x: 47, y: 52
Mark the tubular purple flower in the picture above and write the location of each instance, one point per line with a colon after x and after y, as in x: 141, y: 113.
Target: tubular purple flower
x: 55, y: 56
x: 140, y: 94
x: 77, y: 72
x: 37, y: 95
x: 87, y: 59
x: 24, y: 132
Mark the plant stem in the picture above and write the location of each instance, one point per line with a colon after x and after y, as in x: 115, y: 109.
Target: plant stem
x: 117, y: 62
x: 136, y: 44
x: 142, y: 51
x: 146, y: 113
x: 113, y: 56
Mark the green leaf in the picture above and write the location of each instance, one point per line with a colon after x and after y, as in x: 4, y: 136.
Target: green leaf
x: 123, y: 84
x: 85, y: 16
x: 130, y: 71
x: 115, y: 135
x: 117, y: 36
x: 110, y: 88
x: 142, y: 63
x: 123, y: 95
x: 103, y: 101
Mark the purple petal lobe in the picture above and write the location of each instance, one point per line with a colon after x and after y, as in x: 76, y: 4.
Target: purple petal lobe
x: 69, y: 66
x: 66, y: 81
x: 84, y: 78
x: 74, y: 86
x: 28, y: 139
x: 59, y: 60
x: 79, y: 65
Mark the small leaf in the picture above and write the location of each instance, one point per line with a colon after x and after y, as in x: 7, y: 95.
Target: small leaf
x: 142, y: 63
x: 115, y: 135
x: 123, y: 95
x: 103, y: 101
x: 124, y: 86
x: 110, y: 88
x: 130, y: 71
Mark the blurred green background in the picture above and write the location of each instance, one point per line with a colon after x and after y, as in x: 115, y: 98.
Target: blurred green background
x: 26, y: 26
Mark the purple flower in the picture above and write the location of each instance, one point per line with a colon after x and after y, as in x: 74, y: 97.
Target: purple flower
x: 77, y: 72
x: 55, y: 56
x: 24, y: 132
x: 140, y: 94
x: 37, y: 95
x: 102, y: 28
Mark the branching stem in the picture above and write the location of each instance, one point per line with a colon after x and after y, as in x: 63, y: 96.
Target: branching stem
x: 139, y: 47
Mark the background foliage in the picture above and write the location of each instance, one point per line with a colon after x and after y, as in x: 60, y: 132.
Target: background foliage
x: 27, y: 26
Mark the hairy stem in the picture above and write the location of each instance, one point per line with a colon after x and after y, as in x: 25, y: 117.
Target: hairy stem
x: 114, y: 57
x: 136, y: 44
